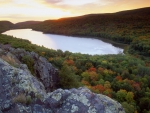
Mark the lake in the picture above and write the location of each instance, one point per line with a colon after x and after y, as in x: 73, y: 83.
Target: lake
x: 66, y: 43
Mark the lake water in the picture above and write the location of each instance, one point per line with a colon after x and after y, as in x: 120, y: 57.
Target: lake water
x: 66, y: 43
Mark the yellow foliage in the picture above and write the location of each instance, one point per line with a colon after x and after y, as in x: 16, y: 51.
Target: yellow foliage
x: 107, y: 85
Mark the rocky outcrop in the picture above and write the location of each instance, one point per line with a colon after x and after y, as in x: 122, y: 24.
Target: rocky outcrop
x: 21, y: 92
x: 47, y: 73
x: 43, y: 70
x: 81, y: 100
x: 16, y: 84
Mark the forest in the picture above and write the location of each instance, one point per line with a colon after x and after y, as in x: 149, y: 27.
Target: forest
x: 123, y: 77
x: 5, y: 25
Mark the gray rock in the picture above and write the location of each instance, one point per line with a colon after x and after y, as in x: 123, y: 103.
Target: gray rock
x: 44, y: 70
x: 81, y: 100
x: 15, y: 81
x: 47, y: 73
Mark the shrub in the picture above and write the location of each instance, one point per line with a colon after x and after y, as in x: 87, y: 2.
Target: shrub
x: 30, y: 63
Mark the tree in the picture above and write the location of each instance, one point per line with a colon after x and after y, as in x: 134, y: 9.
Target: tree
x: 101, y: 81
x: 119, y: 78
x: 144, y: 103
x: 120, y: 95
x: 128, y: 107
x: 69, y: 62
x: 68, y: 79
x: 99, y: 87
x: 88, y: 65
x: 107, y: 85
x: 85, y: 76
x: 93, y: 76
x: 129, y: 97
x: 90, y: 76
x: 92, y: 69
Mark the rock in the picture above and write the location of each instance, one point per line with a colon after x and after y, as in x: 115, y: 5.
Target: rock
x: 47, y: 73
x: 5, y: 88
x: 13, y: 83
x: 44, y: 70
x: 81, y: 100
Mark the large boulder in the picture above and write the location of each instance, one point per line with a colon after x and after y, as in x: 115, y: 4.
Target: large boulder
x: 17, y: 85
x: 81, y: 100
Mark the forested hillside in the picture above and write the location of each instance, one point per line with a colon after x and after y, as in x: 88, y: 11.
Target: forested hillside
x: 5, y: 25
x: 26, y: 24
x: 121, y: 27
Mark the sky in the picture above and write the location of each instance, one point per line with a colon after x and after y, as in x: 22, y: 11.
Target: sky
x: 40, y: 10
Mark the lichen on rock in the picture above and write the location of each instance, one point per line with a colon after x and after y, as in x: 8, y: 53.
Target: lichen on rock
x: 74, y: 108
x: 78, y: 101
x: 57, y: 96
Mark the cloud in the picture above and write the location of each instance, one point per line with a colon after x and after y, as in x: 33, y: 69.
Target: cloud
x: 80, y: 7
x: 11, y: 16
x: 53, y: 1
x: 49, y: 2
x: 29, y: 10
x: 67, y: 2
x: 16, y: 3
x: 5, y: 2
x: 77, y: 2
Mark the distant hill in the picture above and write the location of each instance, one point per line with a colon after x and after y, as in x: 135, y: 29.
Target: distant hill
x: 121, y: 27
x: 26, y: 24
x: 5, y: 25
x: 140, y: 11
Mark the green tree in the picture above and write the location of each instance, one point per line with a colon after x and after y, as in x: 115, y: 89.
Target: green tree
x: 120, y: 95
x: 68, y: 79
x: 128, y: 107
x: 129, y: 97
x: 144, y: 103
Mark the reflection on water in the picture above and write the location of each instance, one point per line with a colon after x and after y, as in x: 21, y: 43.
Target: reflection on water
x: 72, y: 44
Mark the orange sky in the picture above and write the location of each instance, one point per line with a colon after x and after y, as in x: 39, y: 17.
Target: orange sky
x: 24, y: 10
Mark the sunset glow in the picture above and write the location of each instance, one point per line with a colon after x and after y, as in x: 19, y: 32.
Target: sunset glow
x: 24, y: 10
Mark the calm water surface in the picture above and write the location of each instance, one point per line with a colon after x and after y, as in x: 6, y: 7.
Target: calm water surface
x: 65, y: 43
